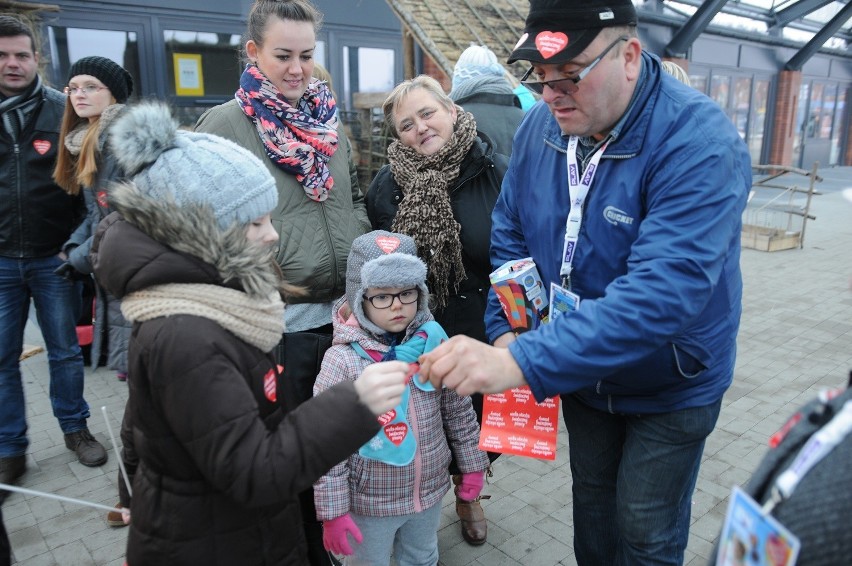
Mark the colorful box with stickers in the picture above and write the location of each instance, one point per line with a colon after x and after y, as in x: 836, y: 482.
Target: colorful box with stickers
x: 512, y: 422
x: 521, y: 293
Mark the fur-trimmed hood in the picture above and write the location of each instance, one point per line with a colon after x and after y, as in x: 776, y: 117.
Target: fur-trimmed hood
x: 166, y: 243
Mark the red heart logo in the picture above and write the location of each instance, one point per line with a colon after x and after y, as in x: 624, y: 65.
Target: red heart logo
x: 387, y: 417
x: 41, y: 146
x: 387, y: 244
x: 396, y: 432
x: 550, y: 43
x: 269, y: 384
x: 102, y: 199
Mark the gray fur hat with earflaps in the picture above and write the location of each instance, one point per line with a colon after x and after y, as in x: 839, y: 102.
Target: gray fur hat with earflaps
x: 383, y: 259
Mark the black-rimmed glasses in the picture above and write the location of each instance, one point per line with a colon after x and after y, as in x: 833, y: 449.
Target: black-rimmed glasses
x: 385, y: 300
x: 568, y: 85
x: 87, y: 90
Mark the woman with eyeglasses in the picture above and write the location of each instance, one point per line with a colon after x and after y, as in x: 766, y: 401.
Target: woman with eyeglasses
x: 439, y: 188
x: 97, y: 89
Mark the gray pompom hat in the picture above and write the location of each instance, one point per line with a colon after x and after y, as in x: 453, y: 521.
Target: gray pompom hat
x: 190, y: 167
x: 383, y: 259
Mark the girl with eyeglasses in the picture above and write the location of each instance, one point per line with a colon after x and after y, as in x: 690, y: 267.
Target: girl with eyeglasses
x: 440, y: 187
x: 386, y: 498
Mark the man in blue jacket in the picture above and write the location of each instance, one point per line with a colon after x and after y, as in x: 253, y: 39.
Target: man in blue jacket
x: 36, y: 218
x: 627, y: 188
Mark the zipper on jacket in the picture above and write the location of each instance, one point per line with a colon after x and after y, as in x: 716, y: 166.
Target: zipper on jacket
x: 16, y: 149
x: 331, y: 250
x: 418, y: 462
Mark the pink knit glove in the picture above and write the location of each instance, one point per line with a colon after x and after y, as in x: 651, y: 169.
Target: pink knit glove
x: 334, y: 533
x: 471, y: 485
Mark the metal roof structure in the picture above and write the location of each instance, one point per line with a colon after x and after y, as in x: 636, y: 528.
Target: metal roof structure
x: 444, y: 28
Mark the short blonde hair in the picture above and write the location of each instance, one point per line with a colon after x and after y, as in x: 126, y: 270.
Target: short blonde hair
x: 404, y: 88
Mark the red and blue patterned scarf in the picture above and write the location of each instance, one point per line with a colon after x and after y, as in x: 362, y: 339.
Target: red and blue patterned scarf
x: 300, y: 138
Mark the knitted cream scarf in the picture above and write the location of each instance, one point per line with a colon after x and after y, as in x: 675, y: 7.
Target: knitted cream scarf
x: 259, y: 322
x: 425, y: 213
x: 74, y: 138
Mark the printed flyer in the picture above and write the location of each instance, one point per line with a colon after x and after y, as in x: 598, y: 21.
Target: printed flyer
x: 512, y: 422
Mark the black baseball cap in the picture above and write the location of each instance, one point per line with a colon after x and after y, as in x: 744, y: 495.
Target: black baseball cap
x: 556, y: 31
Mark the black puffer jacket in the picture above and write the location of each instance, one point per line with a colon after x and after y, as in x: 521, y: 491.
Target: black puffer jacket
x: 221, y: 465
x: 472, y: 197
x: 36, y: 215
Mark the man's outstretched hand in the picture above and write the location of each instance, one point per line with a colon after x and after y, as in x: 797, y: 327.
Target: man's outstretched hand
x: 470, y: 366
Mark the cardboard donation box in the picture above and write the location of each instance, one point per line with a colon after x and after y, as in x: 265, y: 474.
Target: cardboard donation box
x: 512, y: 422
x: 521, y: 293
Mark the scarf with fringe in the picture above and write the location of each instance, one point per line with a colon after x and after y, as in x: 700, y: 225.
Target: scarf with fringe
x: 425, y: 213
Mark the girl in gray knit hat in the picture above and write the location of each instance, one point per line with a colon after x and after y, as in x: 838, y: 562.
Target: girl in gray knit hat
x: 387, y: 496
x: 189, y: 252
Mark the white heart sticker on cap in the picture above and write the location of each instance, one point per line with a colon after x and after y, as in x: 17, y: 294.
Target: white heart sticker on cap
x: 549, y: 43
x: 520, y: 41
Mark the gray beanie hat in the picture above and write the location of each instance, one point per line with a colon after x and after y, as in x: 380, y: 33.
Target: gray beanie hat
x: 383, y: 259
x: 191, y: 167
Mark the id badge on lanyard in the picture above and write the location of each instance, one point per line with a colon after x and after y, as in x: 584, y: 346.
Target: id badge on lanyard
x: 578, y: 189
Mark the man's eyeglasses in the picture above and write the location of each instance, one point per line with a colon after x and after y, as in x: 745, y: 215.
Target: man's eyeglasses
x: 385, y: 300
x: 568, y: 85
x: 87, y: 90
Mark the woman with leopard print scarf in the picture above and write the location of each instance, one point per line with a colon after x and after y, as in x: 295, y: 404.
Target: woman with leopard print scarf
x: 440, y: 188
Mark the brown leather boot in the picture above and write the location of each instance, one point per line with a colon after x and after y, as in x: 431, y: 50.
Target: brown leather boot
x: 474, y: 527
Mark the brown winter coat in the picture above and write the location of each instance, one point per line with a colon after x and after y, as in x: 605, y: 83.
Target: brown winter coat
x: 221, y: 465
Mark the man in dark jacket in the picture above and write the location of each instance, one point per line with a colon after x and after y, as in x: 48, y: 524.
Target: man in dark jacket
x: 36, y: 217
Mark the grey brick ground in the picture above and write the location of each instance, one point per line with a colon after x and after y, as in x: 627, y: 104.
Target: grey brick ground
x: 794, y: 340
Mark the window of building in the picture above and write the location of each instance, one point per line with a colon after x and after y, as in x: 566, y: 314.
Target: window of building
x: 757, y: 119
x: 68, y: 44
x: 367, y: 69
x: 837, y: 135
x: 202, y: 64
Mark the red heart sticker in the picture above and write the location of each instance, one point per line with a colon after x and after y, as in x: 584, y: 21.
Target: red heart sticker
x: 396, y: 432
x: 550, y: 43
x: 41, y: 146
x: 387, y: 417
x: 269, y: 384
x: 387, y: 244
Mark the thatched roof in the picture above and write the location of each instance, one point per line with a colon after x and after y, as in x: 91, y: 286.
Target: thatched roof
x: 445, y: 28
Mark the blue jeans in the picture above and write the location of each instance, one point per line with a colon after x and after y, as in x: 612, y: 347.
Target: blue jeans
x: 413, y: 539
x: 57, y: 304
x: 633, y: 478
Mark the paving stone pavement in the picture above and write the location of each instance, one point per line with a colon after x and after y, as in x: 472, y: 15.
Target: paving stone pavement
x: 795, y: 339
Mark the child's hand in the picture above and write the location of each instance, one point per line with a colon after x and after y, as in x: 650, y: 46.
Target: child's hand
x: 471, y: 485
x: 381, y: 385
x: 334, y: 534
